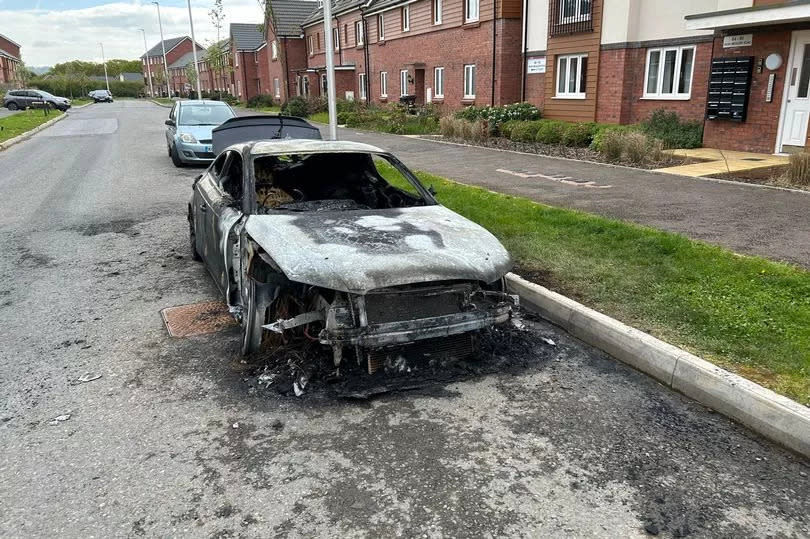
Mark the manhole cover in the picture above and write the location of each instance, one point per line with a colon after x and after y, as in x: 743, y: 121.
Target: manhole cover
x: 197, y: 319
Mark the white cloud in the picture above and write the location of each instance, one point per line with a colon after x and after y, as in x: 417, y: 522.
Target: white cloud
x: 49, y: 37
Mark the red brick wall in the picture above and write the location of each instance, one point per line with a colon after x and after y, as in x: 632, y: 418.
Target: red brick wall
x: 264, y: 83
x: 292, y: 52
x: 246, y: 74
x: 536, y: 87
x: 758, y: 132
x: 621, y: 87
x: 9, y: 47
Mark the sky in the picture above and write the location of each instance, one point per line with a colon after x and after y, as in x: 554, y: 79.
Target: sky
x: 54, y: 31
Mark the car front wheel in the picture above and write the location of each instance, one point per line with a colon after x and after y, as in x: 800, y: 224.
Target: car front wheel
x: 175, y: 157
x: 12, y: 106
x: 253, y: 318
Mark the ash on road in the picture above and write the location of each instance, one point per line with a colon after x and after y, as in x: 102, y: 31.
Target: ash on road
x: 175, y: 439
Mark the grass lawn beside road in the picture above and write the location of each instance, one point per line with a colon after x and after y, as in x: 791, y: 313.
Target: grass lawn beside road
x: 746, y: 314
x: 79, y: 101
x: 23, y: 121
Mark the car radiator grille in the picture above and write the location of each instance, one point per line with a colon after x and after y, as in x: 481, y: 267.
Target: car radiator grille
x: 204, y: 141
x: 204, y: 155
x: 430, y: 353
x: 413, y: 304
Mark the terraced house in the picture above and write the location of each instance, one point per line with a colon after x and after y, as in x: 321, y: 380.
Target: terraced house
x: 10, y: 60
x: 288, y: 54
x: 249, y: 51
x: 740, y: 66
x: 152, y: 61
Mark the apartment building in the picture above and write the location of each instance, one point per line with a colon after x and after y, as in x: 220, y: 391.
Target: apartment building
x: 10, y: 60
x: 287, y: 48
x: 724, y: 62
x: 152, y: 61
x: 451, y: 52
x: 248, y: 49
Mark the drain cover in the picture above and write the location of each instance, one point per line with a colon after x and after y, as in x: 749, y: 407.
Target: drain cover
x: 197, y: 319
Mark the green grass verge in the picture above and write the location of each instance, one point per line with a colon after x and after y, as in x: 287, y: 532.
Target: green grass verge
x: 164, y: 100
x: 320, y: 117
x: 745, y: 314
x: 269, y: 110
x: 79, y: 101
x: 24, y: 121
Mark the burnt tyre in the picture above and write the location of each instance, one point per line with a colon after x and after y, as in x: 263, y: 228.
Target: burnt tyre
x: 254, y: 315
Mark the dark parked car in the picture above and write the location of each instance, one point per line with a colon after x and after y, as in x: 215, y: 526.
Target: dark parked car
x: 23, y: 99
x: 338, y: 242
x: 101, y: 96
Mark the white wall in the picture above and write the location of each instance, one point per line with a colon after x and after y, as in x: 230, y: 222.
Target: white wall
x: 646, y: 20
x: 537, y: 18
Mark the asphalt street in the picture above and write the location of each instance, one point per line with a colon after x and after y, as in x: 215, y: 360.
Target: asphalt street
x: 176, y: 438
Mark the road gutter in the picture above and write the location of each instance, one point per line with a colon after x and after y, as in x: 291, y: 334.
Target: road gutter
x: 772, y: 415
x: 28, y: 134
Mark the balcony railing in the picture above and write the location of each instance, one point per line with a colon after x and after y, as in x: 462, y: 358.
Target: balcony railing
x: 570, y: 17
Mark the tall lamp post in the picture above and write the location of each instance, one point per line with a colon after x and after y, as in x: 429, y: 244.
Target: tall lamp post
x: 148, y: 67
x: 194, y: 50
x: 163, y: 46
x: 104, y: 61
x: 330, y: 69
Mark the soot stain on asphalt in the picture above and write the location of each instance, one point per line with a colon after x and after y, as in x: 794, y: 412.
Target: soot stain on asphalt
x: 116, y: 226
x: 32, y: 260
x: 654, y: 452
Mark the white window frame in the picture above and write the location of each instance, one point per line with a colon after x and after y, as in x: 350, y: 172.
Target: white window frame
x: 437, y: 11
x: 676, y: 77
x: 381, y: 27
x: 406, y: 17
x: 336, y: 38
x: 471, y: 10
x: 383, y: 83
x: 358, y: 33
x: 236, y: 59
x: 469, y: 82
x: 276, y: 87
x: 361, y: 81
x: 311, y: 44
x: 320, y: 4
x: 438, y: 82
x: 578, y: 16
x: 403, y: 82
x: 274, y: 50
x: 578, y: 93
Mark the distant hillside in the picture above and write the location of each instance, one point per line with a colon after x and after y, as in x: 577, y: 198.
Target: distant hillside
x: 39, y: 70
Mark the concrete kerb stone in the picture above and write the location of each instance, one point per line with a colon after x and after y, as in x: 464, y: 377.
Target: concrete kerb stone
x: 774, y: 416
x: 28, y: 134
x: 159, y: 104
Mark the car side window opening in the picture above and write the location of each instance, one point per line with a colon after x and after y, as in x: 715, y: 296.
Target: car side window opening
x: 230, y: 179
x: 332, y: 181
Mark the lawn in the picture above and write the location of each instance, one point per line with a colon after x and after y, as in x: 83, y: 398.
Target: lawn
x: 23, y: 121
x: 320, y: 117
x: 268, y: 110
x: 79, y: 101
x: 746, y: 314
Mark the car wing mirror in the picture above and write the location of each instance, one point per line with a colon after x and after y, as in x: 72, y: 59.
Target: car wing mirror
x: 170, y: 122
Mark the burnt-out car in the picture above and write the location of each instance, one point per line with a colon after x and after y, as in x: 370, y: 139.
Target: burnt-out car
x: 339, y: 243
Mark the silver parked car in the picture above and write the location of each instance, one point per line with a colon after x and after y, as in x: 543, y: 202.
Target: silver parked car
x: 339, y: 243
x: 23, y: 99
x: 188, y: 130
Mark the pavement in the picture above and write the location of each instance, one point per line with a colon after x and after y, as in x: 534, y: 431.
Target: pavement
x: 176, y: 439
x: 744, y: 218
x: 4, y: 112
x: 713, y: 161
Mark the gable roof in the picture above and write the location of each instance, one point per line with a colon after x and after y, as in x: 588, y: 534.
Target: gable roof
x: 246, y: 36
x: 170, y: 43
x: 10, y: 40
x: 184, y: 60
x: 289, y: 15
x: 338, y: 6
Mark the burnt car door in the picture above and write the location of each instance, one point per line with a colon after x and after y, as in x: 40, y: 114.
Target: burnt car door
x: 200, y: 204
x: 224, y: 201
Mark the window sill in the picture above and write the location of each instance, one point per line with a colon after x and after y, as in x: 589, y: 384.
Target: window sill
x: 383, y: 98
x: 468, y: 100
x: 359, y: 46
x: 575, y: 97
x: 438, y: 99
x: 471, y: 24
x: 381, y: 42
x: 665, y: 97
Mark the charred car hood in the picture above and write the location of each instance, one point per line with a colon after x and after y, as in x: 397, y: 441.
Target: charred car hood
x: 358, y: 251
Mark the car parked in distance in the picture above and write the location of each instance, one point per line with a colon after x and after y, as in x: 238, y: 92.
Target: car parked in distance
x: 101, y: 96
x: 23, y: 99
x: 188, y: 130
x: 338, y: 243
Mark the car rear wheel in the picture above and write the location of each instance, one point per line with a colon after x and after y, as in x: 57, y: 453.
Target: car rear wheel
x: 13, y: 106
x: 192, y: 236
x: 175, y: 157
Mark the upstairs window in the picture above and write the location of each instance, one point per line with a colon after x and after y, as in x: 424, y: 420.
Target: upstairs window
x: 669, y: 73
x: 406, y: 18
x: 437, y: 11
x: 358, y: 32
x: 336, y: 39
x: 471, y: 10
x: 381, y: 26
x: 311, y: 43
x: 570, y: 16
x: 274, y: 50
x: 574, y: 11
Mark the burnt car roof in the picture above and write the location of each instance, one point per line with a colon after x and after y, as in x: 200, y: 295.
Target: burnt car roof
x: 288, y: 146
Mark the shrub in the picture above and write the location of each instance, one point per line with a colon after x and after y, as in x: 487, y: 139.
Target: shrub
x: 578, y: 135
x: 447, y: 126
x: 344, y: 105
x: 505, y: 129
x: 798, y: 171
x: 498, y: 115
x: 524, y: 131
x: 667, y: 127
x: 258, y: 101
x: 611, y: 144
x: 550, y: 132
x: 604, y: 130
x: 297, y: 106
x: 640, y: 148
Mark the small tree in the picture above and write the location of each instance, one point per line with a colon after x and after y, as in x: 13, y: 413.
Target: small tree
x: 217, y: 16
x: 23, y: 75
x: 191, y: 75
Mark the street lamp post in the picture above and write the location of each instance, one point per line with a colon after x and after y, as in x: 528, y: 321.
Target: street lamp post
x: 330, y: 69
x: 194, y: 50
x: 148, y: 67
x: 163, y: 46
x: 104, y: 62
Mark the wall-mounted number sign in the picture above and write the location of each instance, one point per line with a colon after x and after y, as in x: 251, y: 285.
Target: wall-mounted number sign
x: 536, y: 65
x: 741, y: 40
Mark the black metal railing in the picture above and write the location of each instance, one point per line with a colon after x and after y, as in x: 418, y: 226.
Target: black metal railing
x: 570, y: 17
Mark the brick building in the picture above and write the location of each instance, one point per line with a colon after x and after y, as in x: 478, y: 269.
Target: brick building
x: 287, y: 55
x: 247, y: 49
x: 152, y: 61
x: 10, y: 60
x: 452, y: 52
x: 618, y: 60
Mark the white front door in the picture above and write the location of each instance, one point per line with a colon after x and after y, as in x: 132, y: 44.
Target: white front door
x: 797, y: 107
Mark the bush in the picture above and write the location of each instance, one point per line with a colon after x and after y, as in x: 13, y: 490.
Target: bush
x: 578, y: 135
x: 550, y: 132
x: 668, y: 128
x: 221, y: 96
x: 524, y: 131
x: 297, y: 106
x: 259, y: 101
x: 498, y: 115
x: 505, y: 129
x: 603, y: 130
x: 798, y: 171
x: 447, y: 127
x: 611, y: 144
x: 634, y: 146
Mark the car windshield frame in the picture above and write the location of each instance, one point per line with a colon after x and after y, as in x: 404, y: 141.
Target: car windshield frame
x: 182, y: 118
x: 426, y: 194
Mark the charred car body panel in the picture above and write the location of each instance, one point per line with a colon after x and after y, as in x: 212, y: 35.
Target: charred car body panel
x: 310, y: 239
